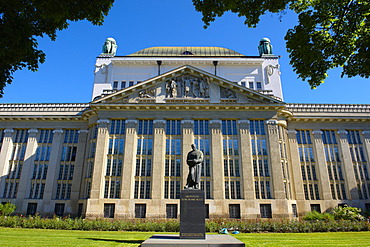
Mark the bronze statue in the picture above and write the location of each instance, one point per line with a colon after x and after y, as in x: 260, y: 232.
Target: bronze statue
x: 194, y: 161
x: 265, y: 47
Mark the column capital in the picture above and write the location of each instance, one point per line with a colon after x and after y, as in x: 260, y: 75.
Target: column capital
x: 215, y: 124
x: 131, y: 123
x: 187, y: 124
x: 103, y: 123
x: 58, y: 132
x: 291, y: 133
x: 83, y: 131
x: 32, y: 132
x: 366, y: 134
x: 244, y: 124
x: 7, y: 131
x: 159, y: 123
x: 271, y: 122
x: 272, y: 126
x: 342, y: 132
x: 317, y: 133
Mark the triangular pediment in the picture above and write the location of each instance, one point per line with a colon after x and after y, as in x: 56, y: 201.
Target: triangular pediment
x: 187, y: 84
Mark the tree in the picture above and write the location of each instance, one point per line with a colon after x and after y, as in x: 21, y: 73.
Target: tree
x: 329, y: 33
x: 22, y: 21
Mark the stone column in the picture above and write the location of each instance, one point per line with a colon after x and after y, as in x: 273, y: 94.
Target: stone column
x: 53, y: 171
x: 187, y: 140
x: 6, y: 152
x: 349, y: 174
x: 275, y: 160
x: 295, y: 164
x: 246, y: 160
x: 78, y: 170
x: 366, y: 136
x: 94, y: 208
x: 159, y: 146
x: 156, y: 207
x: 217, y: 160
x: 129, y: 160
x: 321, y: 165
x: 24, y: 182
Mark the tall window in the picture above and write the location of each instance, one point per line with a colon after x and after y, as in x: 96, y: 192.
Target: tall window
x: 67, y: 165
x: 41, y: 163
x: 334, y: 165
x: 172, y: 165
x: 202, y: 142
x: 144, y: 157
x: 231, y: 159
x: 308, y: 165
x: 360, y: 164
x: 113, y: 171
x: 284, y: 163
x: 261, y: 168
x: 15, y: 163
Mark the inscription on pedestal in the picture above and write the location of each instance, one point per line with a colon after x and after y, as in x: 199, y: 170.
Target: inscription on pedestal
x: 192, y: 214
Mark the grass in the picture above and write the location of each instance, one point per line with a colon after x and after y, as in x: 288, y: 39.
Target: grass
x: 15, y: 237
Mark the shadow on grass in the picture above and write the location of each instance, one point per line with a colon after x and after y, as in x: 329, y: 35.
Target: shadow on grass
x: 116, y: 240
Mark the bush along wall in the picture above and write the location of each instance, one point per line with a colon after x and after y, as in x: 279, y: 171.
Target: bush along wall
x: 173, y: 225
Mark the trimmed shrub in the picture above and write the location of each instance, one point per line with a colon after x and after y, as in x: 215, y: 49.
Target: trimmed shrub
x: 347, y: 213
x: 7, y: 209
x: 173, y: 225
x: 316, y: 216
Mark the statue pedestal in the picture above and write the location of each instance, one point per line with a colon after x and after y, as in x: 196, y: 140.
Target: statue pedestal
x: 192, y: 214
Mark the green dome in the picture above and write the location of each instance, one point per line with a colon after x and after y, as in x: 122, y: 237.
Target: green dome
x: 172, y: 51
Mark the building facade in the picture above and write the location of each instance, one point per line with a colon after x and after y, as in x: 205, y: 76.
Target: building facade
x: 123, y: 155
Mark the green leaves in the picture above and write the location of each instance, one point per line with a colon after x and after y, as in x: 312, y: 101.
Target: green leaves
x: 330, y: 33
x: 23, y: 20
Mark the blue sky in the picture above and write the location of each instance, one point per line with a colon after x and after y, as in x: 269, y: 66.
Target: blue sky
x: 67, y: 74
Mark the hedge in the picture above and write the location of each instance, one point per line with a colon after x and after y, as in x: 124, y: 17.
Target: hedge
x: 173, y: 225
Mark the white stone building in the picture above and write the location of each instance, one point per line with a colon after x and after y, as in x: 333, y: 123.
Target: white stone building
x: 123, y: 154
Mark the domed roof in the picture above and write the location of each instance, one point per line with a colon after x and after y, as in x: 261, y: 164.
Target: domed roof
x: 171, y: 51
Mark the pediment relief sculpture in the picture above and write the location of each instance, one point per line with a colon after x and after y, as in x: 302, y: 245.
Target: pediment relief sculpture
x: 147, y: 93
x: 187, y: 86
x: 226, y: 93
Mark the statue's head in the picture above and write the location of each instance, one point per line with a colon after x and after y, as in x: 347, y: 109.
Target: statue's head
x: 193, y: 147
x: 264, y: 40
x: 110, y: 40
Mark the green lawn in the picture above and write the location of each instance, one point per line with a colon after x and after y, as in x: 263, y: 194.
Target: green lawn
x: 37, y: 237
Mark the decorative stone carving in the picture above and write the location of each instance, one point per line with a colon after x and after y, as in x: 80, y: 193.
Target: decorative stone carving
x: 147, y: 93
x: 227, y: 93
x: 187, y: 86
x: 270, y: 71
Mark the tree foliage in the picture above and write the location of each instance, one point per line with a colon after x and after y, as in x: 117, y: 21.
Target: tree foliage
x: 22, y: 21
x: 329, y: 33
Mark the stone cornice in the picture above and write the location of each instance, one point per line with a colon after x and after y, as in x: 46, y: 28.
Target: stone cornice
x: 54, y: 107
x: 330, y: 108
